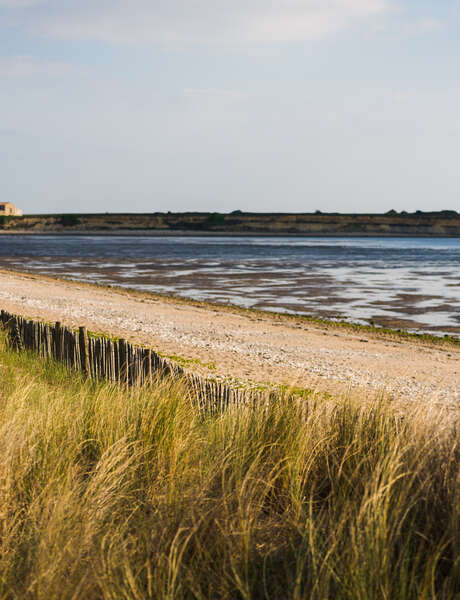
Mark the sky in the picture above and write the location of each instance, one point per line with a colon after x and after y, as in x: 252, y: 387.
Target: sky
x: 221, y: 105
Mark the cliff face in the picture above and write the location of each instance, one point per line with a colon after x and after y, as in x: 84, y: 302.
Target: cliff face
x: 444, y: 223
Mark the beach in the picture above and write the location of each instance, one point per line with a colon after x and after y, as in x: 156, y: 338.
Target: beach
x: 404, y: 283
x: 246, y: 346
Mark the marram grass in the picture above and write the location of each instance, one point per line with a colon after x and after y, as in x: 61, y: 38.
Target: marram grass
x: 112, y: 494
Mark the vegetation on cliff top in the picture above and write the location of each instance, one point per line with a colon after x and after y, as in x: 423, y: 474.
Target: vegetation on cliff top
x: 432, y: 224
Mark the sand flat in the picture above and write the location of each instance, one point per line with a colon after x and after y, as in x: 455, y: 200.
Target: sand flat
x: 246, y: 345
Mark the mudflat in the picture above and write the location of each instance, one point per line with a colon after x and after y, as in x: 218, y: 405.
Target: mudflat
x: 248, y: 346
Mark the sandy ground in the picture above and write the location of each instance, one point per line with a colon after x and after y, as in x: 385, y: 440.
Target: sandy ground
x: 245, y: 345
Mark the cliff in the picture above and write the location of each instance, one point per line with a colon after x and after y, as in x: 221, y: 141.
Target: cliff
x: 443, y: 223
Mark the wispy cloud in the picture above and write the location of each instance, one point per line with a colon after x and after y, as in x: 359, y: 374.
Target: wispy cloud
x: 18, y: 3
x: 213, y: 93
x: 30, y: 66
x: 204, y: 21
x: 425, y: 25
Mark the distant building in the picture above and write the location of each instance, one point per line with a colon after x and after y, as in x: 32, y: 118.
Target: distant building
x: 9, y: 209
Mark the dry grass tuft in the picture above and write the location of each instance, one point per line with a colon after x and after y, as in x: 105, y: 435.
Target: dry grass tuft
x: 112, y: 494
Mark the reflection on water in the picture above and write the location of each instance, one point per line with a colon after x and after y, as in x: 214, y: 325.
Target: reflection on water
x: 407, y: 283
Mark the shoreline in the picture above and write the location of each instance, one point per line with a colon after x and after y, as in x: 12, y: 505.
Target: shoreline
x: 248, y: 345
x: 198, y: 233
x: 372, y: 330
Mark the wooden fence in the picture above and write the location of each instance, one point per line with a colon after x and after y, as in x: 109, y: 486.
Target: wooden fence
x: 116, y: 360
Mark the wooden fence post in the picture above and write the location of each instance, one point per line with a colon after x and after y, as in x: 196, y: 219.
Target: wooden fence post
x: 16, y: 336
x: 83, y: 347
x: 116, y: 362
x: 57, y: 341
x: 123, y: 361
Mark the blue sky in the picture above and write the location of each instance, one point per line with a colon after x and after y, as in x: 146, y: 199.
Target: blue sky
x: 288, y: 105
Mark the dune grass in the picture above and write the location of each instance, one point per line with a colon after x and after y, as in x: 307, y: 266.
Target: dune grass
x: 134, y: 494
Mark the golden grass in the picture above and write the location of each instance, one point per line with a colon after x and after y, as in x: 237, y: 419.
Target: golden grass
x: 115, y: 494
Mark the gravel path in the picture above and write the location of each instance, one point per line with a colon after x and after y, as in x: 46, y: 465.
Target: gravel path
x: 248, y: 346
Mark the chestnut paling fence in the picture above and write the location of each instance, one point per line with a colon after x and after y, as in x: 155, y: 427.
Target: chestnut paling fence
x: 117, y: 361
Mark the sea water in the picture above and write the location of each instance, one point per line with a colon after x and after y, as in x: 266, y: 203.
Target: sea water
x: 409, y: 283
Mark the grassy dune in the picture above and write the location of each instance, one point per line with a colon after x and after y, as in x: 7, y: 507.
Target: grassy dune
x: 112, y: 494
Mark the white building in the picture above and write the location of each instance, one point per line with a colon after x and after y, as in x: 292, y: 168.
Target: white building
x: 10, y: 210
